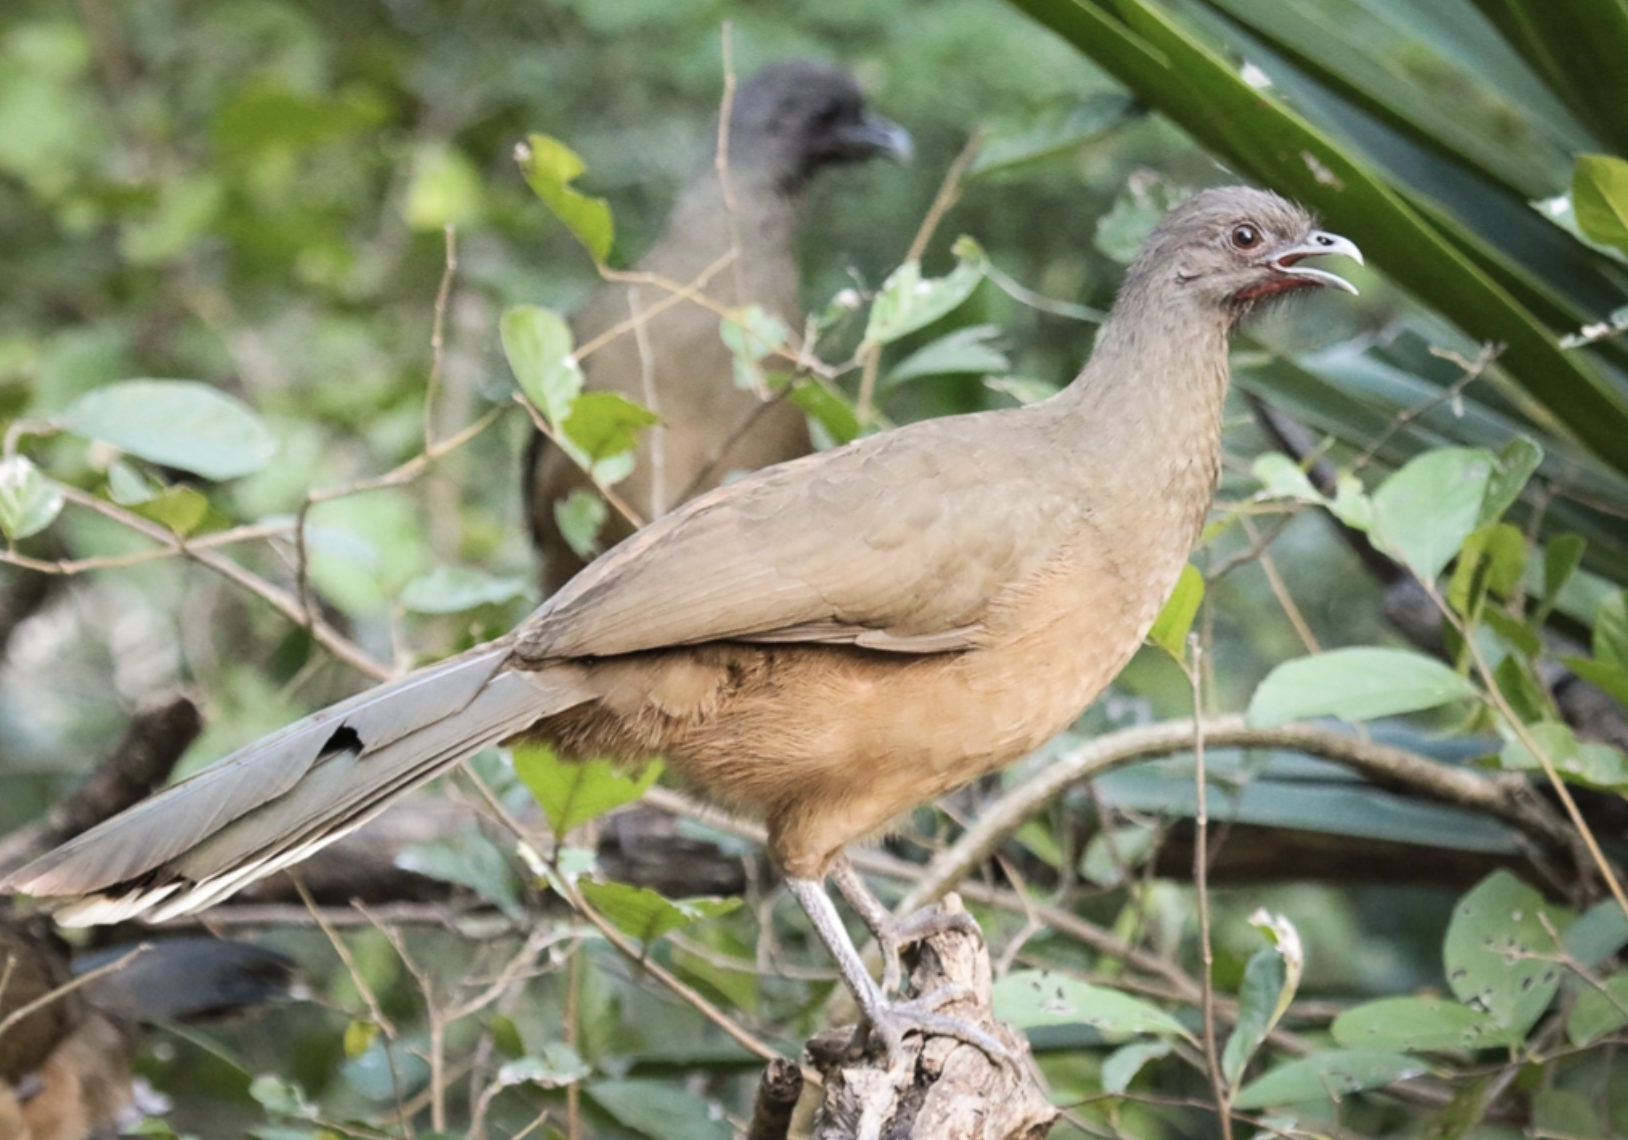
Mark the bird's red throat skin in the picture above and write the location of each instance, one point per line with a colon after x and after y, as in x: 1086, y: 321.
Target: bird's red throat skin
x: 1274, y: 286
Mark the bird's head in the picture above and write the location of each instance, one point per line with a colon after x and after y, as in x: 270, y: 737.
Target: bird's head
x: 794, y: 117
x: 1237, y: 247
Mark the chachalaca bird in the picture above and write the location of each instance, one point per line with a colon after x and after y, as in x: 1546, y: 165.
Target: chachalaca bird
x: 825, y: 644
x: 785, y: 124
x: 66, y: 1067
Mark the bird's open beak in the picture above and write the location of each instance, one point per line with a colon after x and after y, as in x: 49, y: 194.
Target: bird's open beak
x: 1289, y: 261
x: 874, y: 135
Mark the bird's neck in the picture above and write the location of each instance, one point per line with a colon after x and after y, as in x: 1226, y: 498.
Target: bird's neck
x: 1147, y: 406
x: 755, y: 218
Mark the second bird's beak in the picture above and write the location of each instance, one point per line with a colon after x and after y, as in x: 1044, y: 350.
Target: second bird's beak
x: 1317, y: 244
x: 874, y: 135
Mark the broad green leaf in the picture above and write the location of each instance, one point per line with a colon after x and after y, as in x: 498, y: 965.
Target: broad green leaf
x: 1611, y: 630
x: 181, y: 509
x: 1175, y: 619
x: 967, y: 350
x: 1516, y: 461
x: 1499, y: 958
x: 908, y: 301
x: 1599, y: 1012
x: 660, y: 1110
x: 550, y: 167
x: 1599, y: 194
x: 1282, y: 478
x: 1424, y: 512
x: 1598, y: 935
x: 1029, y: 998
x: 179, y: 423
x: 1566, y: 1113
x: 1577, y: 761
x: 1352, y: 505
x: 1492, y: 558
x: 558, y: 1065
x: 506, y: 1036
x: 571, y: 794
x: 1611, y: 678
x: 1114, y: 853
x: 605, y: 424
x: 359, y: 1037
x: 538, y: 343
x: 643, y: 914
x: 1328, y: 1076
x: 1136, y: 211
x: 1054, y: 130
x: 1360, y: 683
x: 829, y: 411
x: 580, y: 515
x: 1120, y: 1067
x: 751, y: 333
x: 1416, y: 1024
x: 1561, y: 558
x: 454, y: 589
x: 29, y: 502
x: 468, y: 859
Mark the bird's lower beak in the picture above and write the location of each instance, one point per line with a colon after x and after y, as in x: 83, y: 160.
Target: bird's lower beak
x: 874, y: 135
x: 1289, y: 261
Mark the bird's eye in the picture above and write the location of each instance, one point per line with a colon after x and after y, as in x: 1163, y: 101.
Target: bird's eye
x: 1245, y: 236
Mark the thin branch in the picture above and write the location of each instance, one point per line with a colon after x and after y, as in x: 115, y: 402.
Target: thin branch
x: 1201, y: 883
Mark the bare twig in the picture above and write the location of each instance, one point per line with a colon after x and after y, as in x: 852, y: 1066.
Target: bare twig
x: 1201, y: 884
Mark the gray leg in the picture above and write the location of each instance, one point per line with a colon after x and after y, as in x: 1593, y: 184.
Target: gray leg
x: 893, y: 933
x: 889, y: 1021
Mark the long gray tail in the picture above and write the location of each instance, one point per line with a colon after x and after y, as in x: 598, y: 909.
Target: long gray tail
x: 274, y: 802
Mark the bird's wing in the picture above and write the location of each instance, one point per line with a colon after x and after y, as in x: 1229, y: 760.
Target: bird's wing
x: 898, y: 542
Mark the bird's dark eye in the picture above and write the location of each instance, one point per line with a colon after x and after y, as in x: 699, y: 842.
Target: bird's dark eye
x: 1245, y: 236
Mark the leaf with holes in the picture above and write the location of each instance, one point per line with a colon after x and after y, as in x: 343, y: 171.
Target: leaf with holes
x: 1029, y: 998
x: 1500, y: 952
x: 1416, y: 1024
x: 1328, y: 1076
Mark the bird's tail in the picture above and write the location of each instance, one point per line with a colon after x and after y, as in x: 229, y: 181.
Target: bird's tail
x: 274, y: 802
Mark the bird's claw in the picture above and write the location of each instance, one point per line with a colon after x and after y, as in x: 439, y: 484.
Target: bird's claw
x: 886, y: 1025
x: 897, y: 933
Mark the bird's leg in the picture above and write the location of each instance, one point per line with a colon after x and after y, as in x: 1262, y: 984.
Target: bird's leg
x: 892, y: 932
x: 888, y: 1020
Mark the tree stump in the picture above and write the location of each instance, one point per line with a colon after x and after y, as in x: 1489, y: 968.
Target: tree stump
x: 940, y: 1088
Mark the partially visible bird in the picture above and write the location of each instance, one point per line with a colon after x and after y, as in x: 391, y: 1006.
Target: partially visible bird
x: 825, y: 644
x: 66, y: 1067
x: 786, y: 123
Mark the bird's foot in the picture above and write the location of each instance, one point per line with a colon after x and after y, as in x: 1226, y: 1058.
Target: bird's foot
x: 894, y: 934
x: 887, y: 1023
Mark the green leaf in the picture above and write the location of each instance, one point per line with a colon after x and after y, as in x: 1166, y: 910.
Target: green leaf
x: 1359, y: 683
x: 454, y: 589
x: 1120, y: 1067
x: 359, y: 1037
x: 538, y: 343
x: 1282, y: 478
x: 1598, y: 1013
x: 1596, y: 765
x: 966, y: 350
x: 1492, y: 558
x: 1328, y: 1076
x: 1270, y: 981
x: 1416, y: 1024
x: 1515, y: 463
x: 1597, y: 936
x: 1424, y: 512
x: 1611, y: 630
x: 660, y: 1110
x: 1560, y: 561
x: 580, y: 515
x: 908, y: 301
x: 1137, y: 209
x: 643, y: 914
x: 1499, y: 958
x: 1566, y: 1113
x: 1052, y: 131
x: 468, y: 859
x: 444, y: 189
x: 558, y: 1065
x: 1175, y: 619
x: 1599, y: 195
x: 179, y: 423
x: 1608, y: 677
x: 827, y: 409
x: 1115, y: 852
x: 549, y: 167
x: 571, y: 794
x: 751, y: 333
x: 29, y: 502
x: 181, y: 509
x: 606, y: 424
x: 1029, y: 998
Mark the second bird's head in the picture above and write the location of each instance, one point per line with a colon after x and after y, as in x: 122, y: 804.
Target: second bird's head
x: 1236, y: 247
x: 792, y: 118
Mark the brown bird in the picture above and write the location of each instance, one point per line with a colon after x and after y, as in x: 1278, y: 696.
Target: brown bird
x: 66, y: 1067
x: 825, y: 644
x: 785, y: 124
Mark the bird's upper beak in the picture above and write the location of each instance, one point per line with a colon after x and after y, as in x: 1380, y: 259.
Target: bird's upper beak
x: 1288, y: 262
x: 874, y: 135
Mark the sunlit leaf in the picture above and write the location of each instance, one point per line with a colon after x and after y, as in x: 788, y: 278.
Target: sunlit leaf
x: 178, y: 423
x: 1175, y: 619
x: 1359, y: 683
x: 580, y: 515
x: 643, y: 914
x: 606, y: 424
x: 538, y: 343
x: 1424, y: 512
x: 967, y: 350
x: 1597, y: 765
x: 557, y: 1066
x: 550, y: 167
x: 29, y: 502
x: 571, y: 794
x: 1599, y: 194
x: 908, y: 301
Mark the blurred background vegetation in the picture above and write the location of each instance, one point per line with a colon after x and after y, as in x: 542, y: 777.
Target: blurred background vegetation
x: 254, y: 194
